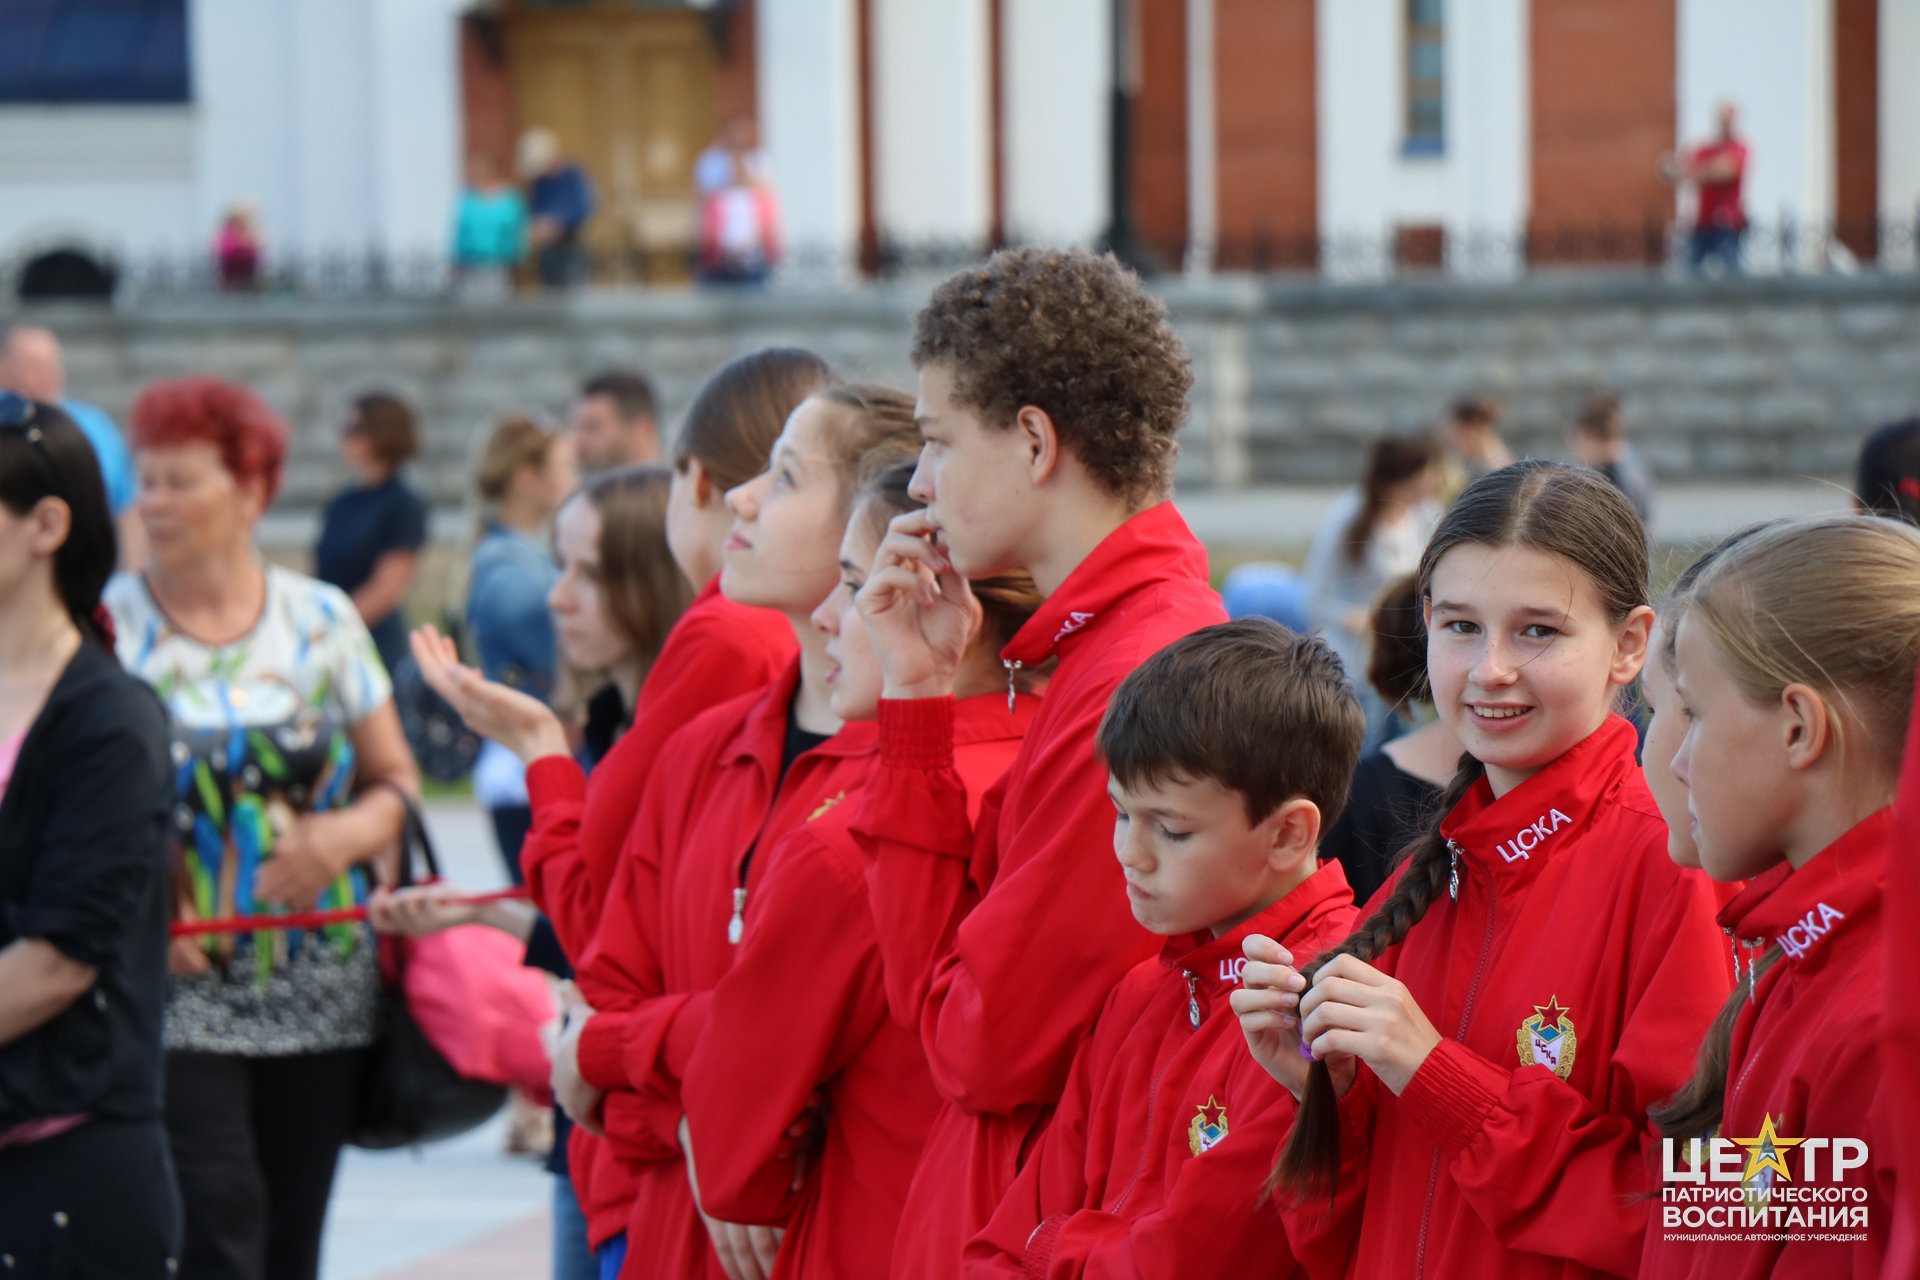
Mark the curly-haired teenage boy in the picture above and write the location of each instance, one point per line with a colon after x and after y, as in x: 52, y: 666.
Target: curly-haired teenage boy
x: 1051, y: 389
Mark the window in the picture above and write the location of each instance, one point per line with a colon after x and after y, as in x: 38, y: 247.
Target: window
x: 1426, y: 77
x: 93, y: 51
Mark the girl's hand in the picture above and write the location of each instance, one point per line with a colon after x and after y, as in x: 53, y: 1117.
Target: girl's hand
x: 1355, y: 1009
x: 746, y: 1252
x: 1268, y: 1006
x: 571, y: 1092
x: 421, y: 910
x: 186, y: 959
x: 920, y: 614
x: 517, y: 721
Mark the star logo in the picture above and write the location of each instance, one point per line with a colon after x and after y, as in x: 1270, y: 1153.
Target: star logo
x: 1767, y: 1151
x: 1547, y: 1039
x: 1209, y: 1126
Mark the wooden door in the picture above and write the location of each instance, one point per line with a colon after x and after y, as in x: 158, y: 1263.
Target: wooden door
x: 628, y: 89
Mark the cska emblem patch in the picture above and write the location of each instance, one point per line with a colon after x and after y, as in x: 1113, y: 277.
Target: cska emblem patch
x: 1208, y: 1127
x: 1547, y: 1039
x: 831, y: 801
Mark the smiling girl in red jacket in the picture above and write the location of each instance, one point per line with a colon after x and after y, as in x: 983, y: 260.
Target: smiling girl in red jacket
x: 1795, y: 657
x: 1538, y: 973
x: 875, y: 1097
x: 726, y: 788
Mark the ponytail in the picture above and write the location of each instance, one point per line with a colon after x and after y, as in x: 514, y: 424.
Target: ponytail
x: 1694, y: 1109
x: 1312, y: 1154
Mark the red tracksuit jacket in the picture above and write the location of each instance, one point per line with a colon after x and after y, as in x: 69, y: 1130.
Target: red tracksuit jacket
x: 718, y: 650
x: 828, y: 1018
x: 711, y: 812
x: 1154, y: 1160
x: 1001, y: 939
x: 1900, y: 1014
x: 1571, y: 981
x: 1805, y: 1057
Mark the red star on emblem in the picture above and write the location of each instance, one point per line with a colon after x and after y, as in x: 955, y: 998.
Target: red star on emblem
x: 1551, y: 1012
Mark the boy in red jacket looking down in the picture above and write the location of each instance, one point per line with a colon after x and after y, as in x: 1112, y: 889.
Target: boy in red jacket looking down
x: 1051, y: 388
x: 1230, y: 751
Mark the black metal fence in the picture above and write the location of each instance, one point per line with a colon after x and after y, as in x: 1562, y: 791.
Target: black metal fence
x: 1780, y: 246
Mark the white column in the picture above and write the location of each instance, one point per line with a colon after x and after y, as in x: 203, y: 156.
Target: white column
x: 1203, y: 140
x: 1488, y: 136
x: 417, y: 136
x: 1358, y: 121
x: 1054, y: 64
x: 932, y: 121
x: 1900, y: 112
x: 1774, y: 60
x: 334, y: 125
x: 808, y: 72
x: 244, y: 55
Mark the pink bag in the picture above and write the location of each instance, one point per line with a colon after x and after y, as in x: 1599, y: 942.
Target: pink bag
x: 484, y: 1010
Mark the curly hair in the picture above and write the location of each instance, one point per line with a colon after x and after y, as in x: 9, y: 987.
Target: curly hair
x: 251, y: 438
x: 1077, y: 336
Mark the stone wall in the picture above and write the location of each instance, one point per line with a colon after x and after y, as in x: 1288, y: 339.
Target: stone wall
x: 1736, y: 380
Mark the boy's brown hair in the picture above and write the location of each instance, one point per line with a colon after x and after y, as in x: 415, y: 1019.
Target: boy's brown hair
x: 1249, y: 704
x: 1078, y: 336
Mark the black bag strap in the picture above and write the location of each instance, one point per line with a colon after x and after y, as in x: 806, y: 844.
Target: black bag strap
x: 413, y: 837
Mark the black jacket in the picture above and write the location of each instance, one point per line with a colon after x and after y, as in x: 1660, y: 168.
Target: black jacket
x: 83, y: 865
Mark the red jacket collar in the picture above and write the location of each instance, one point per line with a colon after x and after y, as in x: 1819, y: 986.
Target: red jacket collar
x: 1151, y: 547
x: 762, y: 736
x: 1214, y: 962
x: 1798, y: 910
x: 985, y: 718
x: 1512, y: 836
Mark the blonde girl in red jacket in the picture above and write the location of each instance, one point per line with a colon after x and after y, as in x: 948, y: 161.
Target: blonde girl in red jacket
x: 1794, y: 665
x: 1538, y: 972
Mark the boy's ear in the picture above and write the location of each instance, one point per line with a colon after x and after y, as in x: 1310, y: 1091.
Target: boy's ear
x: 1293, y: 832
x: 1806, y: 726
x: 1630, y: 646
x: 1041, y: 441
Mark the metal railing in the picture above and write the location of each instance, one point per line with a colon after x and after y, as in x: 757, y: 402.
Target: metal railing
x: 1782, y: 246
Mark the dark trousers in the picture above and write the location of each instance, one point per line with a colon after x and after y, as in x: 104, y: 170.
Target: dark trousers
x: 511, y: 822
x: 94, y: 1203
x: 255, y: 1143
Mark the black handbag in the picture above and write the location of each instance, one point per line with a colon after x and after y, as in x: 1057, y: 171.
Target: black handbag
x: 409, y: 1094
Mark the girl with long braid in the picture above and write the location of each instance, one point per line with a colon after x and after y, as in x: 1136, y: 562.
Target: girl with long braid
x: 1475, y: 1063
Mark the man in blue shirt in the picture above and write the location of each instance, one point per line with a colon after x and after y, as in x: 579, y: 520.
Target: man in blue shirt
x: 30, y: 364
x: 559, y: 202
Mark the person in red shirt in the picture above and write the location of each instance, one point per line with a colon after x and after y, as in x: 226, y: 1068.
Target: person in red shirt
x: 1900, y: 1015
x: 1795, y: 658
x: 839, y: 1195
x: 1051, y: 389
x: 1229, y: 750
x: 1538, y: 972
x: 726, y: 789
x: 715, y: 651
x: 1717, y: 169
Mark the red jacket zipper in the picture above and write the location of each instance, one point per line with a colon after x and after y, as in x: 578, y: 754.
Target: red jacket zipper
x: 1466, y: 1016
x: 1153, y: 1096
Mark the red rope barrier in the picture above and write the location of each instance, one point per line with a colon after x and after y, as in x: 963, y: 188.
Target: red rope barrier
x: 315, y: 919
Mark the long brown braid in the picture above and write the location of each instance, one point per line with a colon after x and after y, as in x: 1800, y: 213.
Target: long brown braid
x: 1570, y: 512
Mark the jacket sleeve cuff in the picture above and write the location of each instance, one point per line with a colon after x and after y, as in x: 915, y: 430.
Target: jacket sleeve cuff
x: 916, y: 732
x: 1039, y: 1254
x: 1452, y: 1094
x: 683, y: 1034
x: 552, y: 779
x: 602, y: 1064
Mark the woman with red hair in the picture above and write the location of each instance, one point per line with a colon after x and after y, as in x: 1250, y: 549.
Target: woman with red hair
x: 290, y: 768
